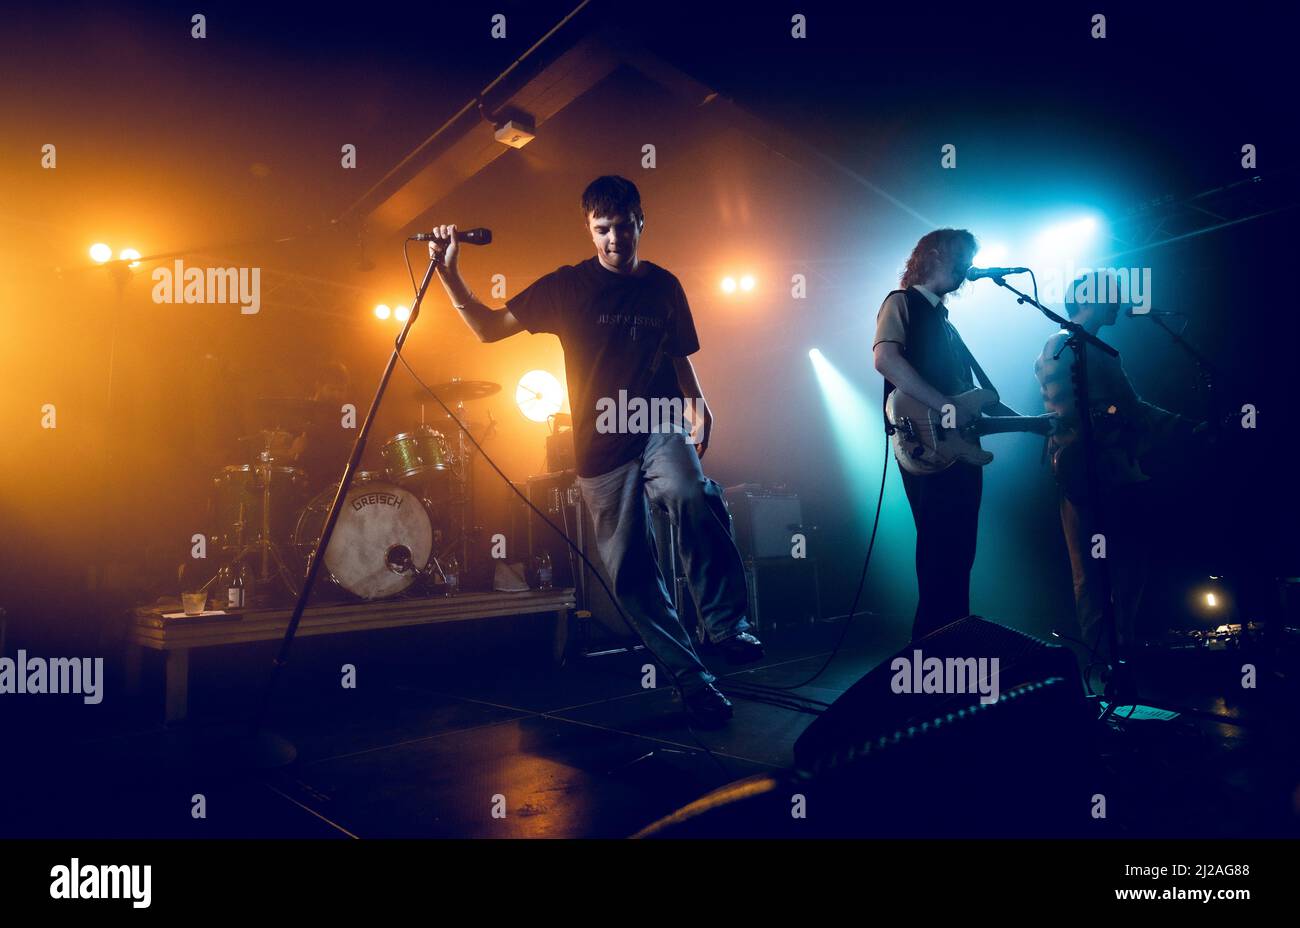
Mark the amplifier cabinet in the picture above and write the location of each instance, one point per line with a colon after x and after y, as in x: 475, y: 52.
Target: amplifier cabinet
x: 765, y: 521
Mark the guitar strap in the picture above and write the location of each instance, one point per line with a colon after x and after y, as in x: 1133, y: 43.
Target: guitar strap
x: 982, y: 377
x: 1044, y: 456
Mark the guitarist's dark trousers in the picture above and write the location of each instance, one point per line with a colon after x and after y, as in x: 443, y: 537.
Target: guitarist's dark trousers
x: 945, y: 507
x: 1127, y: 530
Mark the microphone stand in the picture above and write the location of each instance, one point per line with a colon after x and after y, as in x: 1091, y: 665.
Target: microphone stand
x: 1207, y: 375
x: 1117, y: 686
x: 268, y: 749
x: 1206, y: 372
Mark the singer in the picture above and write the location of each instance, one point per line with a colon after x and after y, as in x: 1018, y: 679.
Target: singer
x: 626, y: 329
x: 919, y: 351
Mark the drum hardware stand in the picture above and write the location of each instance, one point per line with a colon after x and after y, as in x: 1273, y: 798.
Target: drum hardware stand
x: 572, y: 495
x: 467, y: 487
x: 434, y: 567
x: 459, y: 498
x: 262, y: 543
x: 459, y: 474
x: 476, y: 530
x: 285, y: 750
x: 465, y: 455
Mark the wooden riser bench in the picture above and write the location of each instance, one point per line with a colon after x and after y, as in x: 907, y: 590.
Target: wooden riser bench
x: 177, y: 637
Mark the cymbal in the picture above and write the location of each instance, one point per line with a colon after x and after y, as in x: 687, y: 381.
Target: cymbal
x: 443, y: 423
x: 271, y: 438
x: 457, y: 391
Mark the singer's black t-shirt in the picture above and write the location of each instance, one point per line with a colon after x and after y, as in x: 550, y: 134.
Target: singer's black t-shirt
x: 618, y: 332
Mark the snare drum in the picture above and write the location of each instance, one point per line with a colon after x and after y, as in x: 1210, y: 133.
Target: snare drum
x: 382, y: 542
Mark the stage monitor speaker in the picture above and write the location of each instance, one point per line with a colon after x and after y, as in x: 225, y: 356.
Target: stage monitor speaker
x: 784, y: 592
x: 1021, y: 767
x: 871, y: 708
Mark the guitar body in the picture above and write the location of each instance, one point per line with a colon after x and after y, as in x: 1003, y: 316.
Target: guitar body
x: 921, y: 442
x: 923, y: 445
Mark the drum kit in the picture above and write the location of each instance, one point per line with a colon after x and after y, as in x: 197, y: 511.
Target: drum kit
x: 405, y: 527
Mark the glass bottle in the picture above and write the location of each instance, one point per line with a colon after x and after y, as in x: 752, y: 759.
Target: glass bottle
x: 237, y: 583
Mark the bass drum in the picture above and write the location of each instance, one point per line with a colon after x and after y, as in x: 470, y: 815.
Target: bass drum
x: 382, y: 542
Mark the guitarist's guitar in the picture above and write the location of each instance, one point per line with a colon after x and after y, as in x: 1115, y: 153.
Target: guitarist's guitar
x: 1130, y: 446
x: 923, y: 445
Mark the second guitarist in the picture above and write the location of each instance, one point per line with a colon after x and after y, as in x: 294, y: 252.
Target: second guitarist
x: 1124, y: 427
x: 919, y: 352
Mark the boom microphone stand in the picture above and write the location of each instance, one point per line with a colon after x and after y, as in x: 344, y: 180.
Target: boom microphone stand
x: 268, y: 748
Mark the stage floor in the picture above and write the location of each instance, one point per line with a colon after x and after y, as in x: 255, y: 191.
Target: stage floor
x: 444, y: 720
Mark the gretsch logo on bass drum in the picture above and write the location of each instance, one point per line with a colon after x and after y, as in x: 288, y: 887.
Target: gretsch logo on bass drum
x: 377, y: 499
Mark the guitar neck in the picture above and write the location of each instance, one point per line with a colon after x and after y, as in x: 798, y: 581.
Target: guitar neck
x: 994, y: 425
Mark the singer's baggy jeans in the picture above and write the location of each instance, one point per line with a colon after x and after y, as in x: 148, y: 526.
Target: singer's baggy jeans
x: 668, y: 474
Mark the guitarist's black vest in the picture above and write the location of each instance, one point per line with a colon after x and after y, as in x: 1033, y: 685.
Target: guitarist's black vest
x: 933, y: 346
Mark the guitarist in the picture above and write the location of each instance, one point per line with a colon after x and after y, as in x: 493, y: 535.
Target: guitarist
x: 918, y: 351
x: 1124, y: 426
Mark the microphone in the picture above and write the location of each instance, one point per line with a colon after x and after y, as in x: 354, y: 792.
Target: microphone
x: 463, y: 236
x: 976, y: 273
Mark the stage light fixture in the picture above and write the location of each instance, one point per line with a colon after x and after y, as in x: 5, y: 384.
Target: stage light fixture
x: 994, y: 254
x: 539, y: 395
x: 1065, y: 242
x: 747, y: 282
x: 401, y: 313
x: 382, y: 311
x: 99, y: 253
x: 728, y: 285
x: 129, y: 254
